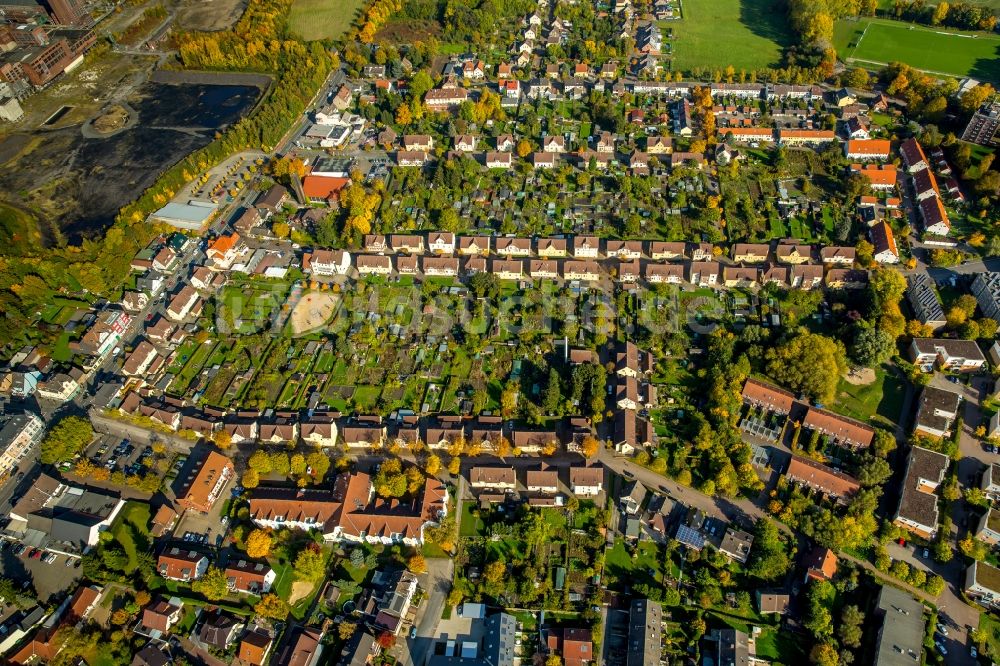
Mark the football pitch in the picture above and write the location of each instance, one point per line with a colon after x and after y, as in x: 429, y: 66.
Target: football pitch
x: 939, y: 51
x: 747, y: 34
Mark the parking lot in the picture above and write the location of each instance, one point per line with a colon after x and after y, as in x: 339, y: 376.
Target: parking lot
x: 209, y: 528
x: 49, y: 573
x: 117, y: 454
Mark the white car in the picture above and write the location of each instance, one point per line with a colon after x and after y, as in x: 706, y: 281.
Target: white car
x: 943, y: 630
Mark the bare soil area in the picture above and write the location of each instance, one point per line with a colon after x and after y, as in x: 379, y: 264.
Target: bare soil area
x: 300, y: 590
x: 313, y: 310
x: 209, y: 15
x: 860, y: 377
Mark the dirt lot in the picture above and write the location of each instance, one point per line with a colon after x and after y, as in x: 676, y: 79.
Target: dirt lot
x: 313, y: 310
x: 87, y: 90
x: 209, y: 15
x: 300, y: 590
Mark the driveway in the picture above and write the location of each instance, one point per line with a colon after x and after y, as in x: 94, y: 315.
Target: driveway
x: 437, y: 584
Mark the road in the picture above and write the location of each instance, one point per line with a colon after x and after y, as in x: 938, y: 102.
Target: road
x: 437, y: 584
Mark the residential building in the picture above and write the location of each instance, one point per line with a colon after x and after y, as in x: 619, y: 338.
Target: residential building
x: 181, y: 564
x: 982, y: 583
x: 773, y: 602
x: 103, y: 335
x: 350, y: 511
x: 329, y: 262
x: 987, y: 528
x: 924, y: 301
x: 936, y: 411
x: 543, y: 480
x: 884, y: 242
x: 586, y: 481
x: 204, y: 482
x: 736, y: 545
x: 249, y: 577
x: 305, y: 648
x: 982, y: 127
x: 837, y: 255
x: 254, y: 646
x: 918, y: 503
x: 645, y: 633
x: 949, y: 355
x: 842, y: 430
x: 819, y: 477
x: 867, y: 149
x: 767, y: 396
x: 160, y: 616
x: 186, y: 302
x: 820, y: 564
x: 19, y: 434
x: 913, y: 156
x: 573, y: 645
x: 986, y: 289
x: 901, y: 635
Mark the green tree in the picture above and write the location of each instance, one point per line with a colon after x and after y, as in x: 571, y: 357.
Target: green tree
x: 851, y: 629
x: 213, y: 585
x: 66, y: 439
x: 810, y: 363
x: 310, y: 563
x: 769, y: 557
x: 872, y: 346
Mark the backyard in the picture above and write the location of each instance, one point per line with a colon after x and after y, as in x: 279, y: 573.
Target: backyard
x: 131, y: 530
x: 754, y: 33
x: 880, y: 41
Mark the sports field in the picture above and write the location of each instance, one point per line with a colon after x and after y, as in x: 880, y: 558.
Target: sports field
x: 880, y: 41
x: 747, y: 34
x: 323, y: 19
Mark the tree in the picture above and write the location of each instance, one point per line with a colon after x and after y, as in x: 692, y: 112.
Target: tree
x: 873, y: 471
x: 769, y: 559
x: 386, y: 639
x: 553, y: 660
x: 508, y: 400
x: 66, y: 439
x: 523, y: 148
x: 318, y: 464
x: 590, y: 446
x: 297, y: 464
x: 213, y: 585
x: 417, y: 564
x: 433, y: 464
x: 281, y: 229
x: 455, y: 466
x: 824, y: 654
x: 495, y: 572
x: 346, y: 630
x: 222, y: 439
x: 975, y: 97
x: 271, y: 606
x: 258, y: 543
x: 810, y: 363
x: 851, y: 629
x: 260, y: 462
x: 250, y: 479
x: 310, y: 564
x: 934, y: 585
x: 872, y: 346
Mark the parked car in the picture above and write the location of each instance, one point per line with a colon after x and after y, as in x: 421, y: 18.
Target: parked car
x: 943, y: 630
x: 927, y: 553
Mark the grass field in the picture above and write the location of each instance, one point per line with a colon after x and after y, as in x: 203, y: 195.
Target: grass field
x: 947, y: 52
x: 882, y: 400
x: 322, y: 19
x: 131, y: 530
x: 747, y: 34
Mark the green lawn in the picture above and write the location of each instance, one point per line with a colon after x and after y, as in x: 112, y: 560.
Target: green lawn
x: 989, y: 627
x: 471, y: 525
x: 620, y: 565
x: 131, y: 530
x: 747, y: 34
x: 881, y: 400
x: 880, y: 41
x: 322, y: 19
